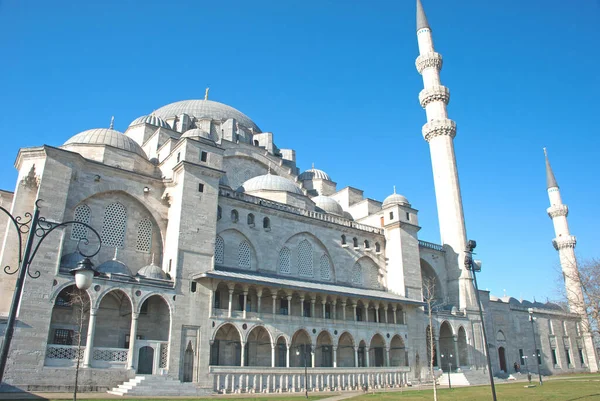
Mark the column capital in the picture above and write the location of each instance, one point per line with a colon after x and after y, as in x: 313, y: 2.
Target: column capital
x: 259, y: 291
x: 274, y: 296
x: 394, y: 308
x: 231, y: 286
x: 134, y: 315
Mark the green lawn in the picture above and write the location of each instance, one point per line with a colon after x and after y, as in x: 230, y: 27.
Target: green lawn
x: 583, y: 388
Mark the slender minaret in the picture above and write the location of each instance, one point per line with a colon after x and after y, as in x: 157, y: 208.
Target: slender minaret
x: 565, y: 243
x: 439, y: 132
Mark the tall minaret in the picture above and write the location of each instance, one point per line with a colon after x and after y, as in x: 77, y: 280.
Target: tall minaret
x: 565, y: 243
x: 439, y: 132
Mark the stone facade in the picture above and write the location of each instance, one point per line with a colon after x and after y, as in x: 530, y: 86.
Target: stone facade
x: 223, y: 266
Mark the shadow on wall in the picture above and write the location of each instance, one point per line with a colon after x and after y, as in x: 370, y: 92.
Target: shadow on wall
x: 17, y: 393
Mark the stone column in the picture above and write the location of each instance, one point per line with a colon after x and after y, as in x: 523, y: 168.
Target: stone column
x: 344, y: 310
x: 334, y: 309
x: 245, y: 304
x: 242, y: 348
x: 274, y: 296
x: 437, y: 351
x: 356, y: 357
x: 403, y: 317
x: 312, y: 356
x: 387, y: 356
x: 367, y: 357
x: 377, y: 319
x: 230, y: 302
x: 313, y: 301
x: 89, y: 345
x: 323, y: 303
x: 287, y: 356
x: 258, y: 299
x: 289, y: 307
x: 272, y: 355
x: 302, y: 305
x: 354, y: 308
x: 132, y: 338
x: 367, y: 313
x: 335, y: 357
x: 455, y: 338
x: 395, y: 310
x: 385, y: 310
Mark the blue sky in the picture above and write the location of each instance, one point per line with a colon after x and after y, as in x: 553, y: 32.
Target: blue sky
x: 336, y: 81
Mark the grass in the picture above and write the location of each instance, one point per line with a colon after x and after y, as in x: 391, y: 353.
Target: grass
x: 215, y: 398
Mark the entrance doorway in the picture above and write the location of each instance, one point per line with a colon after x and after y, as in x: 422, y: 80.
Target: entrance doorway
x: 145, y: 360
x: 502, y: 359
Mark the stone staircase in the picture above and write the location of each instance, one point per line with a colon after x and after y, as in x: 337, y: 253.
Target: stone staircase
x: 157, y: 386
x: 457, y: 379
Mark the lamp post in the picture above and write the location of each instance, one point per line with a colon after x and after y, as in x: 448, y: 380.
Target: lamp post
x: 535, y: 348
x: 37, y: 230
x: 307, y: 347
x: 475, y: 266
x: 449, y: 369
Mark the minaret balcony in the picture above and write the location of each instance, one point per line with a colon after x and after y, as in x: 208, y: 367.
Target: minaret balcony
x: 564, y: 242
x: 557, y: 210
x: 437, y: 93
x: 439, y: 127
x: 428, y: 60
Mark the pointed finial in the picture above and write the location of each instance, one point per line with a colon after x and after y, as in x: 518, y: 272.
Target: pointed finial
x: 313, y: 165
x: 269, y: 171
x: 550, y: 180
x: 421, y: 17
x: 112, y: 122
x: 394, y: 190
x: 206, y: 93
x: 152, y: 259
x: 116, y: 253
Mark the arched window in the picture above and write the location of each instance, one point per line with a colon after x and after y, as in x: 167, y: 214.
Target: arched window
x: 355, y: 242
x: 305, y: 259
x: 115, y: 224
x: 266, y: 223
x: 377, y: 247
x: 356, y: 276
x: 325, y: 266
x: 284, y: 261
x: 235, y: 216
x: 367, y: 246
x: 219, y: 212
x: 343, y: 239
x: 144, y: 236
x: 219, y: 250
x: 83, y: 214
x: 250, y: 219
x: 244, y: 257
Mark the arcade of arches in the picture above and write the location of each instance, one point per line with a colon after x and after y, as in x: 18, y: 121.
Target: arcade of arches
x: 449, y: 351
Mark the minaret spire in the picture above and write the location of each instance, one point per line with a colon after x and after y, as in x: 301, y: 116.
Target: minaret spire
x: 550, y: 180
x: 421, y: 17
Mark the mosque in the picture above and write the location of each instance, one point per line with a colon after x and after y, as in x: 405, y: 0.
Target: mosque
x: 225, y: 269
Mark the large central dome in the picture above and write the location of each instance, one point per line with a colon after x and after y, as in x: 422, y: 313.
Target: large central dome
x: 205, y: 108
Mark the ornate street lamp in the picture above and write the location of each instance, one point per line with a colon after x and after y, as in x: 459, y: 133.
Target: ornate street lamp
x: 37, y: 229
x: 535, y: 348
x: 475, y: 266
x: 449, y: 369
x: 307, y: 347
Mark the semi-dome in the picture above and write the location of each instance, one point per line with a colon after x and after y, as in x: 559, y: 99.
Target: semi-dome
x: 348, y: 216
x: 106, y: 136
x: 152, y: 271
x: 205, y: 108
x: 197, y: 133
x: 328, y: 205
x: 114, y: 266
x: 152, y: 120
x: 270, y: 182
x: 314, y: 174
x: 395, y: 199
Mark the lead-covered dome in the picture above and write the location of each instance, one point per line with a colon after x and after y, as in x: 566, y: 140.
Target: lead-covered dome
x: 328, y: 205
x: 197, y: 133
x: 270, y: 182
x: 203, y: 109
x: 395, y: 199
x: 314, y: 174
x: 152, y: 120
x: 152, y: 271
x: 114, y: 266
x: 106, y: 136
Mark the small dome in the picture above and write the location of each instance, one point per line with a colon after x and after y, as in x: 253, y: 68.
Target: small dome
x: 197, y: 133
x: 152, y: 120
x: 494, y: 298
x: 152, y: 271
x: 348, y: 216
x: 328, y: 205
x: 270, y: 182
x: 114, y: 266
x: 395, y: 199
x: 314, y: 174
x: 70, y: 260
x: 553, y: 306
x: 106, y: 136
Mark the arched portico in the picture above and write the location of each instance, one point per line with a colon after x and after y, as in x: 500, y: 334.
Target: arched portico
x: 226, y: 347
x: 150, y: 331
x: 258, y: 347
x: 324, y: 350
x: 463, y: 351
x: 398, y: 355
x: 447, y: 347
x: 345, y: 351
x: 300, y: 351
x: 377, y: 351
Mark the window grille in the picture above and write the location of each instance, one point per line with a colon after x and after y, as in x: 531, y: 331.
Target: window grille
x: 144, y: 236
x: 325, y: 268
x: 83, y: 214
x: 250, y: 220
x: 284, y: 261
x: 235, y: 216
x: 219, y: 250
x: 357, y: 274
x: 63, y: 336
x: 305, y: 259
x: 115, y: 223
x: 244, y: 255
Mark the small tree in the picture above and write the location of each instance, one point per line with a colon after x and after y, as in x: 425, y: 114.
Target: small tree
x: 430, y: 300
x: 79, y: 300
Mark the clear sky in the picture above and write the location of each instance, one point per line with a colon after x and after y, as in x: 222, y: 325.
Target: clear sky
x: 336, y: 81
